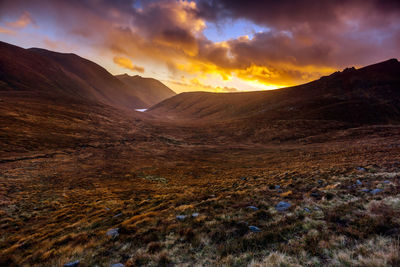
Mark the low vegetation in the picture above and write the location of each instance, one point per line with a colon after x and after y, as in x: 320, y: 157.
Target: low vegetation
x: 195, y: 205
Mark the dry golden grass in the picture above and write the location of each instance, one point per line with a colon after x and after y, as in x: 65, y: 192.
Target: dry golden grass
x: 57, y: 208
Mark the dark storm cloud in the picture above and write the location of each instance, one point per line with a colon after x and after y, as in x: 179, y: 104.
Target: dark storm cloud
x: 286, y: 13
x: 334, y: 33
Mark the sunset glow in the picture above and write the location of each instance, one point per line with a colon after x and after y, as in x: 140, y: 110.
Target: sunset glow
x: 209, y: 45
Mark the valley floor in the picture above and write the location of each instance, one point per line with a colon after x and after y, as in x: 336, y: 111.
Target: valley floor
x: 185, y: 204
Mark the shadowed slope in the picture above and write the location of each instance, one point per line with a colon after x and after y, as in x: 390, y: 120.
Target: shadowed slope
x: 367, y: 95
x: 150, y: 90
x: 60, y: 75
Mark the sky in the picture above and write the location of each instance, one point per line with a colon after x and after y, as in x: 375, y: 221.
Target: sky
x: 210, y: 45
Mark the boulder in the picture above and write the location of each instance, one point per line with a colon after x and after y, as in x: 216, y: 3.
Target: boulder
x: 376, y: 191
x: 113, y: 233
x: 254, y: 229
x: 181, y: 217
x: 282, y: 206
x: 72, y: 264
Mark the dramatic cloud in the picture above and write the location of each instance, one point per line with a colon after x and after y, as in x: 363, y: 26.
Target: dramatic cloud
x: 6, y: 31
x: 296, y: 40
x: 127, y: 63
x: 24, y: 20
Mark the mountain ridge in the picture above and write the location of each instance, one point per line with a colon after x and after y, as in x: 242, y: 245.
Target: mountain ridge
x: 48, y: 74
x: 361, y: 93
x: 150, y: 90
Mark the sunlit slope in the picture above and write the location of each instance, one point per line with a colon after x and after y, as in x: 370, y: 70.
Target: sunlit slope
x: 367, y: 95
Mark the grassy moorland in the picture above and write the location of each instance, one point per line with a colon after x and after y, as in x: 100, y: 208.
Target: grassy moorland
x: 58, y: 208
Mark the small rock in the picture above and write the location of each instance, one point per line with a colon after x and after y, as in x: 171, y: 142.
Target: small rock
x: 358, y: 182
x: 117, y: 215
x: 282, y: 206
x: 393, y: 232
x: 307, y: 210
x: 361, y: 169
x: 252, y: 207
x: 196, y: 214
x: 72, y: 264
x: 181, y: 217
x: 315, y: 194
x: 376, y: 191
x: 254, y: 229
x: 113, y: 232
x: 117, y: 265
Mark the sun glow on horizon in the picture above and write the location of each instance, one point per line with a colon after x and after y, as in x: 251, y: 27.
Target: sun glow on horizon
x: 214, y: 51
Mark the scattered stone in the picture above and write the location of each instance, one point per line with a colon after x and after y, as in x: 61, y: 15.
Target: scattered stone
x: 113, y: 233
x: 72, y: 264
x: 181, y: 217
x: 307, y: 210
x: 282, y: 206
x: 254, y: 229
x: 252, y: 207
x: 315, y: 194
x: 358, y: 182
x: 376, y: 191
x: 117, y: 265
x: 196, y: 214
x: 361, y: 169
x: 393, y: 232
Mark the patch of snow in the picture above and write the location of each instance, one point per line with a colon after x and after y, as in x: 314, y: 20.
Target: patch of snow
x: 141, y: 109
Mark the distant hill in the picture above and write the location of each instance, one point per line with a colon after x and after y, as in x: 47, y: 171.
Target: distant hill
x: 369, y: 95
x: 57, y: 75
x: 149, y: 90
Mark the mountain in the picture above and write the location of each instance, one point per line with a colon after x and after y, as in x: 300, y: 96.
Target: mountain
x: 369, y: 95
x: 149, y: 90
x: 58, y: 75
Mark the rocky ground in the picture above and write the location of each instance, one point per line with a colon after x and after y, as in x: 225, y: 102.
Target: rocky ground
x: 173, y: 201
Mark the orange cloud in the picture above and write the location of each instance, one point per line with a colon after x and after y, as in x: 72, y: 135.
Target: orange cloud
x: 6, y: 31
x: 127, y: 64
x: 195, y: 85
x: 24, y: 20
x: 169, y: 37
